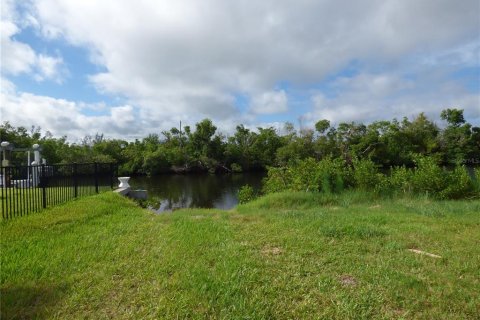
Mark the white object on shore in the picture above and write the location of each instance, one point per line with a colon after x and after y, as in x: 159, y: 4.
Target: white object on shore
x: 424, y: 253
x: 123, y: 182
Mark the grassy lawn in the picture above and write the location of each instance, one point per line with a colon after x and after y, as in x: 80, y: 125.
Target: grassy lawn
x: 285, y: 256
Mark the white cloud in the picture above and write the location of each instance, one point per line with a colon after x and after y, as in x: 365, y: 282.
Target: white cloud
x: 464, y: 55
x: 187, y: 60
x: 78, y: 119
x: 49, y: 68
x: 18, y: 57
x: 369, y: 97
x: 270, y: 102
x: 123, y: 116
x: 6, y: 86
x: 248, y: 46
x: 62, y: 117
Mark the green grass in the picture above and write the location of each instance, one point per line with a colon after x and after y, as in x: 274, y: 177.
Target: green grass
x: 284, y: 256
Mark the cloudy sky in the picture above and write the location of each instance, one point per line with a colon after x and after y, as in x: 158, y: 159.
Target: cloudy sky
x: 129, y: 68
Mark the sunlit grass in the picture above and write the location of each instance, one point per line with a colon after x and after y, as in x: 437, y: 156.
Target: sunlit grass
x: 284, y: 256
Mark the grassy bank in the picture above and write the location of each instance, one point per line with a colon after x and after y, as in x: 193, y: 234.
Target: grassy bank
x: 282, y: 256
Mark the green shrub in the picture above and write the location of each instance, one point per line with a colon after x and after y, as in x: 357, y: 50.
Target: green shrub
x: 400, y: 180
x: 327, y: 175
x: 428, y: 177
x: 476, y: 181
x: 365, y: 174
x: 325, y: 184
x: 459, y: 184
x: 277, y: 180
x: 154, y: 163
x: 383, y: 187
x: 305, y: 175
x: 246, y: 194
x: 332, y: 176
x: 339, y: 183
x: 236, y: 168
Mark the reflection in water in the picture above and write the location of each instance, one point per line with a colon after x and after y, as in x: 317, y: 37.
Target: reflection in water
x: 170, y: 192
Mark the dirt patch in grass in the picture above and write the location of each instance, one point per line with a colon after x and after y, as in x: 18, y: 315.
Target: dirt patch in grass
x: 244, y: 218
x: 348, y: 281
x: 271, y: 251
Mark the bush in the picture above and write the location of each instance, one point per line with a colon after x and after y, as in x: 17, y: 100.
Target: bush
x: 428, y: 177
x: 327, y: 175
x: 154, y: 163
x: 365, y: 174
x: 236, y: 168
x: 459, y: 184
x: 246, y: 194
x: 431, y: 179
x: 476, y: 181
x: 400, y: 180
x: 331, y: 176
x: 306, y: 175
x: 277, y: 180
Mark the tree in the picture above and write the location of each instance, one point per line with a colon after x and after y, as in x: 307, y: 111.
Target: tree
x: 422, y: 135
x: 454, y: 117
x: 296, y: 147
x: 322, y: 125
x: 456, y: 140
x: 265, y: 147
x: 205, y: 148
x: 239, y: 148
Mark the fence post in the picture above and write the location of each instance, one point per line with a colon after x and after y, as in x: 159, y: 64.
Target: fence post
x: 75, y: 180
x: 43, y: 180
x: 4, y: 189
x: 96, y: 177
x: 111, y: 175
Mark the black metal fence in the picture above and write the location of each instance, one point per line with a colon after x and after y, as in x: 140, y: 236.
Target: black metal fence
x: 26, y: 189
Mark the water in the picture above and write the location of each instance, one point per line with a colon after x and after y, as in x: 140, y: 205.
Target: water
x: 170, y: 192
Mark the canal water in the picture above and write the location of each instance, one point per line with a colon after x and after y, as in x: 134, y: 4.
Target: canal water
x: 171, y: 192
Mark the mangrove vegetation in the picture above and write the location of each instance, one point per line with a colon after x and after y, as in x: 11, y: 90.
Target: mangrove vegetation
x: 203, y: 148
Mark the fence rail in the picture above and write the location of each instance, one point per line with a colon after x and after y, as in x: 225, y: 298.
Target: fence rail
x: 26, y: 189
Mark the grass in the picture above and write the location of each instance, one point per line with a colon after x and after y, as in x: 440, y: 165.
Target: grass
x: 284, y: 256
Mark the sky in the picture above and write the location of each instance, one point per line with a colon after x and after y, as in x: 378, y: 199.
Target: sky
x: 130, y: 68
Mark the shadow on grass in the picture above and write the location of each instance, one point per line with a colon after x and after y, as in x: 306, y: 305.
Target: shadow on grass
x: 29, y: 302
x: 353, y: 231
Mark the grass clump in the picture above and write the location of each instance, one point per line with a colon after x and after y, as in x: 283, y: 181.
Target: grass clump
x: 353, y: 231
x: 246, y: 194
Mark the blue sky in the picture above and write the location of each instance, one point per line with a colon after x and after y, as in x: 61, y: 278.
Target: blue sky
x: 127, y: 69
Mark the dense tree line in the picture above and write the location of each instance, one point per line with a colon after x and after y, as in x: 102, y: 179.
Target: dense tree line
x: 203, y: 148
